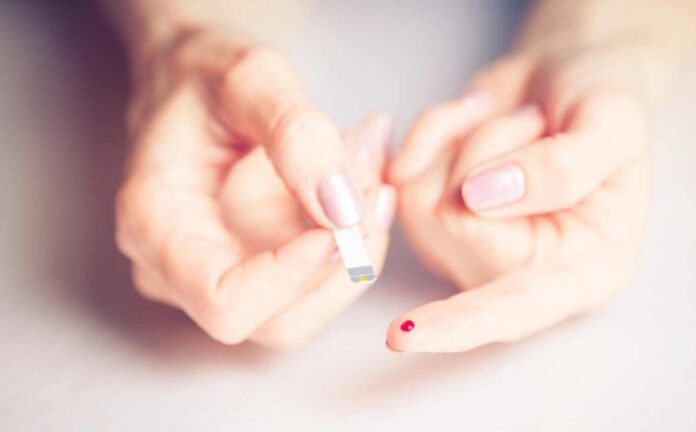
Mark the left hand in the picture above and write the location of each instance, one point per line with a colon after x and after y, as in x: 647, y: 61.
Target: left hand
x: 533, y: 189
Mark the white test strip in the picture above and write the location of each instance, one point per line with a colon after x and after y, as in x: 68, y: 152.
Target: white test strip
x: 352, y: 248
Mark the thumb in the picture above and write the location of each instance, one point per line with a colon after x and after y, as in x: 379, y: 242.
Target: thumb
x: 263, y: 101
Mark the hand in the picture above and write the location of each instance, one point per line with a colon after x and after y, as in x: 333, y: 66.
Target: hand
x: 228, y: 159
x: 530, y: 193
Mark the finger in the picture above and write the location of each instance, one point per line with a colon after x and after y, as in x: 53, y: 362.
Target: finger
x: 508, y: 309
x: 253, y: 195
x: 435, y: 130
x: 151, y: 285
x: 303, y: 320
x: 264, y: 103
x: 557, y: 172
x: 496, y: 89
x: 229, y: 297
x: 496, y: 137
x: 367, y: 144
x: 170, y: 221
x: 249, y: 294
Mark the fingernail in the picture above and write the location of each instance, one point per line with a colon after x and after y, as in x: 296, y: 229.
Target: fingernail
x: 373, y: 137
x: 340, y: 199
x: 383, y: 128
x: 528, y: 110
x: 494, y: 187
x: 477, y: 99
x: 385, y: 207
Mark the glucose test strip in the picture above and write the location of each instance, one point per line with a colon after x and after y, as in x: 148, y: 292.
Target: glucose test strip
x: 352, y: 248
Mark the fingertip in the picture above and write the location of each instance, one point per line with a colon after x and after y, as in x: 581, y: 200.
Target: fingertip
x: 368, y: 143
x: 435, y: 327
x: 403, y: 334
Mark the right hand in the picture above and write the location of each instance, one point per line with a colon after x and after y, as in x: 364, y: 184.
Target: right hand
x: 228, y: 157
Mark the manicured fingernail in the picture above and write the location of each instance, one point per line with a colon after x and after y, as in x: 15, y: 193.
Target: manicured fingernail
x: 340, y: 199
x: 385, y: 207
x: 407, y: 326
x: 494, y: 187
x: 528, y: 110
x: 383, y: 128
x: 373, y: 137
x: 477, y: 99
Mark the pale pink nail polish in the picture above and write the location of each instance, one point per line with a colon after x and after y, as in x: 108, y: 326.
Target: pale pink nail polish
x: 373, y: 137
x: 385, y: 207
x: 494, y: 187
x: 477, y: 99
x: 383, y: 126
x: 340, y: 199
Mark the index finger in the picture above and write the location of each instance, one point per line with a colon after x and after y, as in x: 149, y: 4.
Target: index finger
x: 263, y: 101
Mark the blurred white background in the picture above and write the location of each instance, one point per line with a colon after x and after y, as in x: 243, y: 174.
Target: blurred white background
x: 81, y: 351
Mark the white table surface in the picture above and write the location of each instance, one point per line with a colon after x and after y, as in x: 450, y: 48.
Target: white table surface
x: 79, y: 350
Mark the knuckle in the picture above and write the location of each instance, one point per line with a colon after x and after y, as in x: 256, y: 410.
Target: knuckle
x: 143, y: 285
x: 296, y: 121
x: 222, y: 326
x: 225, y: 334
x: 249, y: 61
x: 222, y: 317
x: 190, y: 47
x: 257, y: 54
x: 167, y: 252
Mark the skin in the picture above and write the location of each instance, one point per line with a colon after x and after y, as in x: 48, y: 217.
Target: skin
x: 219, y: 212
x: 243, y: 266
x: 574, y: 117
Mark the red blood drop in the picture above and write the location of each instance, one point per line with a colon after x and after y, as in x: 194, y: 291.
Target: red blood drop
x: 407, y: 326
